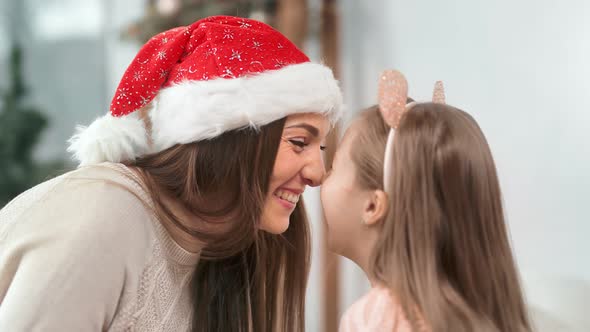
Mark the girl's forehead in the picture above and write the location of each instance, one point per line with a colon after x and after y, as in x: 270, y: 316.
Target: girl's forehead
x: 350, y: 132
x: 345, y: 144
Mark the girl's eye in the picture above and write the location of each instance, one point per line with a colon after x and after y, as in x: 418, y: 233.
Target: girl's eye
x: 322, y: 147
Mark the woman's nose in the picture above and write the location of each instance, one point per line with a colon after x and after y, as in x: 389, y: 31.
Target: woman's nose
x: 314, y: 171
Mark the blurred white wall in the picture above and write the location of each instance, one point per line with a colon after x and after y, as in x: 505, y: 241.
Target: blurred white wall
x: 522, y: 69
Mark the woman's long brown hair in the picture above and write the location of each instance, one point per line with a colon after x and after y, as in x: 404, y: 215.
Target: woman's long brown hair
x: 443, y: 249
x: 247, y: 280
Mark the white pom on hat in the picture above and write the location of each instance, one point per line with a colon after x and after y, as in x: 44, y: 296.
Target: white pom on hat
x: 110, y: 139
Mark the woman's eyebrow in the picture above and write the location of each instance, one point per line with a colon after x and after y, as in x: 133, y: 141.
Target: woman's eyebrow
x: 315, y: 132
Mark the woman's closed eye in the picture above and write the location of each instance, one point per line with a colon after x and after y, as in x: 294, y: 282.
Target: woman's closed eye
x: 301, y: 144
x: 297, y: 143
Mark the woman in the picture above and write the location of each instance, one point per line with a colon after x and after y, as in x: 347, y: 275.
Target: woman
x: 171, y: 225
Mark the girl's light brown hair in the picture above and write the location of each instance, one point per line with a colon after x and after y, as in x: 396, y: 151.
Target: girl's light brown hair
x: 443, y: 249
x: 247, y: 280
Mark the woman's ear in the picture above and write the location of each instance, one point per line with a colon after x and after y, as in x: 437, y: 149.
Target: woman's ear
x: 375, y: 207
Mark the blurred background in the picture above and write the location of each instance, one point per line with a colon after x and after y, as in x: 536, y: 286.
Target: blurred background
x: 521, y: 68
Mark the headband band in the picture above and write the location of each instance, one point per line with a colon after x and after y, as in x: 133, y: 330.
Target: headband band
x: 393, y: 94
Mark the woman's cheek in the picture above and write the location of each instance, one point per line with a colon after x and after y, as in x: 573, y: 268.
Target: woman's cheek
x: 286, y: 162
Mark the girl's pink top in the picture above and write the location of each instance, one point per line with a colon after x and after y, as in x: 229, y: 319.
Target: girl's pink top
x: 376, y: 311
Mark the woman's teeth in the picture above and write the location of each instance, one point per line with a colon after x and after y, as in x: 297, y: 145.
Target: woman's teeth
x: 287, y: 196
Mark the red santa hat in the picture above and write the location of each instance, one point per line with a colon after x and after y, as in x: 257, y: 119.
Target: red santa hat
x: 218, y: 74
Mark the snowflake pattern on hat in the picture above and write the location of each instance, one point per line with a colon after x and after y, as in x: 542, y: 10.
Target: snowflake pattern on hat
x: 217, y: 47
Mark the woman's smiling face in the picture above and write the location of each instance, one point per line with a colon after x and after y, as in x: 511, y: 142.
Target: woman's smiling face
x: 299, y: 163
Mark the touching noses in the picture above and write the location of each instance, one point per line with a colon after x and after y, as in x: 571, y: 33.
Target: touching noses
x: 314, y: 170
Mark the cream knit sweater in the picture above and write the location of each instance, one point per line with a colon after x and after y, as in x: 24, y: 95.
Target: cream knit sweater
x: 82, y: 252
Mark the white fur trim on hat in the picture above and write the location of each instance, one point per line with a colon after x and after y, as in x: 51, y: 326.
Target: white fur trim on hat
x: 197, y: 110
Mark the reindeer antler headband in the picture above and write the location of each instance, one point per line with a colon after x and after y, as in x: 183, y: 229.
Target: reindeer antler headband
x: 393, y: 93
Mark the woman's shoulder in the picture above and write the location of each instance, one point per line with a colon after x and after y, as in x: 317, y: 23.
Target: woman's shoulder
x: 83, y: 240
x: 377, y: 310
x: 108, y: 189
x: 103, y: 182
x: 107, y: 175
x: 101, y: 198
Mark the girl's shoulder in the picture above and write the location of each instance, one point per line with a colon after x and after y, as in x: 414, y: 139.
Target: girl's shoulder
x: 378, y: 310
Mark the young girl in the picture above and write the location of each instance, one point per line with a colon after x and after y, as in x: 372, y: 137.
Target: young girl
x: 421, y: 213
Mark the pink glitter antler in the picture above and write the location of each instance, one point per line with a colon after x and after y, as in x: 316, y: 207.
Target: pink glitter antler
x: 393, y: 93
x: 438, y: 96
